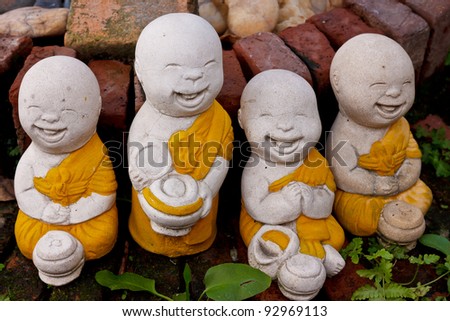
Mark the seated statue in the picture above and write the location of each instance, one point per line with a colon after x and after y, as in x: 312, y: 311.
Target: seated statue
x: 374, y: 158
x: 65, y: 184
x: 287, y: 186
x: 180, y: 141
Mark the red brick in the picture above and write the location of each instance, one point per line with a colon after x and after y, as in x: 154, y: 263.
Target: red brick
x: 263, y: 51
x: 114, y: 79
x: 13, y: 49
x: 398, y: 22
x: 109, y: 29
x: 313, y: 47
x: 37, y: 54
x: 437, y: 14
x: 233, y: 83
x: 339, y: 25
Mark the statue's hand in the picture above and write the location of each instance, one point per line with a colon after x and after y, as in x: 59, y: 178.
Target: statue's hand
x: 138, y: 179
x: 56, y: 214
x: 292, y: 193
x: 307, y: 196
x: 386, y: 185
x: 206, y: 194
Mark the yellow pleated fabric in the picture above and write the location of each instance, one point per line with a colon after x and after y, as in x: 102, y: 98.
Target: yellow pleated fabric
x: 85, y: 171
x: 313, y: 233
x: 359, y: 214
x: 193, y: 152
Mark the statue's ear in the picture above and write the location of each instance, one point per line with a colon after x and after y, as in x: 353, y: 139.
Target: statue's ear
x: 335, y: 81
x: 137, y: 68
x: 239, y: 116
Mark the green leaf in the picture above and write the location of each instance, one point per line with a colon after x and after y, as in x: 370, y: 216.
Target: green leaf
x: 397, y: 291
x: 382, y: 253
x: 442, y: 169
x: 367, y: 292
x: 377, y: 274
x: 436, y: 242
x: 187, y: 276
x: 374, y: 245
x: 4, y: 297
x: 448, y: 285
x: 431, y: 258
x: 444, y: 267
x: 421, y: 132
x: 438, y: 137
x: 416, y: 259
x: 399, y: 252
x: 353, y: 250
x: 447, y: 262
x: 127, y: 281
x: 420, y: 290
x: 2, y: 266
x: 386, y: 271
x: 234, y: 282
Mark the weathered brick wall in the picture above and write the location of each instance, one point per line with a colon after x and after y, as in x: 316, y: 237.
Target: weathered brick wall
x: 110, y: 28
x: 99, y: 29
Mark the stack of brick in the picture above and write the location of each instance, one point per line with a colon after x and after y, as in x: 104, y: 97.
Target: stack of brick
x: 103, y: 34
x: 109, y: 30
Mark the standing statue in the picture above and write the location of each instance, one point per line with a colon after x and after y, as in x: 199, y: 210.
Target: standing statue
x: 180, y: 141
x: 65, y: 184
x: 287, y: 186
x: 375, y: 160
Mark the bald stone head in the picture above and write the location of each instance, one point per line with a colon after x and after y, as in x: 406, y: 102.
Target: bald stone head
x: 59, y: 104
x: 279, y: 115
x: 372, y: 77
x: 179, y: 64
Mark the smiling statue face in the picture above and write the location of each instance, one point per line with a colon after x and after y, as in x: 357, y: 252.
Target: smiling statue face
x: 279, y: 116
x: 373, y: 79
x: 59, y: 104
x: 179, y: 64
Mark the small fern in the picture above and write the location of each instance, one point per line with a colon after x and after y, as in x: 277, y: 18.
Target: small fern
x: 383, y: 260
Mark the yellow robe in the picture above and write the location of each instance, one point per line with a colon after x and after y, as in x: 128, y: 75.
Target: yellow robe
x: 359, y: 214
x: 85, y: 171
x: 313, y: 233
x: 193, y: 152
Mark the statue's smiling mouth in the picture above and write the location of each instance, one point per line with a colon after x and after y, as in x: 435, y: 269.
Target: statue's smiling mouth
x: 190, y: 99
x: 51, y: 135
x: 282, y: 145
x: 390, y: 111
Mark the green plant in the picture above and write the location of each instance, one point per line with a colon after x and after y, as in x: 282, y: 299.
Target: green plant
x: 3, y: 297
x: 435, y: 149
x: 228, y: 281
x: 382, y: 261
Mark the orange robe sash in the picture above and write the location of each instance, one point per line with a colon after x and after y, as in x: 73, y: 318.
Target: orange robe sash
x: 83, y: 172
x: 359, y: 214
x: 193, y: 153
x: 312, y: 232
